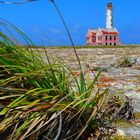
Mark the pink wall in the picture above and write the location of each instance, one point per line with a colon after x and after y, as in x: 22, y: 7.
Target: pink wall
x: 102, y: 39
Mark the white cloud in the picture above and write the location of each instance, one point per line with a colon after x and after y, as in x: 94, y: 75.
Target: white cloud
x: 37, y: 31
x: 76, y: 28
x: 55, y: 30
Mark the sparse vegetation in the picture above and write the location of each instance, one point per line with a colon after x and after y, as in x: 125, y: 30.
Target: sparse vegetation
x: 127, y: 62
x: 89, y: 47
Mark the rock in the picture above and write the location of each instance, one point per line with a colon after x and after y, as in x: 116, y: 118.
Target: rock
x: 106, y: 79
x: 120, y: 132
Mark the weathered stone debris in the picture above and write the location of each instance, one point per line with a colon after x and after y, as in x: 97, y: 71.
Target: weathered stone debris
x: 121, y: 76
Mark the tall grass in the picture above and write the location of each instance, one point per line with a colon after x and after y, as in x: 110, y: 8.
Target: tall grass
x: 44, y: 100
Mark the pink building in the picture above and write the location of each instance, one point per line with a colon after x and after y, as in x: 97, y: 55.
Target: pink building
x: 104, y: 37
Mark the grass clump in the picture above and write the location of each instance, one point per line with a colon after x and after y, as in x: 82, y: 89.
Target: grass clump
x: 44, y: 100
x: 128, y: 62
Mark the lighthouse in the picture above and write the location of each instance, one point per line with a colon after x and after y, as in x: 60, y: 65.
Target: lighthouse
x: 109, y: 16
x: 108, y: 36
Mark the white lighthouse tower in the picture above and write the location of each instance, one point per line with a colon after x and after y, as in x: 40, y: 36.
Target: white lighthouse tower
x: 109, y: 17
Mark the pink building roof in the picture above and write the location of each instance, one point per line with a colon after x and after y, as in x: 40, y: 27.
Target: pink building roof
x: 103, y: 31
x: 110, y: 32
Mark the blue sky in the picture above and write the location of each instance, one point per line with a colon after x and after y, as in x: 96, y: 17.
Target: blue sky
x: 42, y: 24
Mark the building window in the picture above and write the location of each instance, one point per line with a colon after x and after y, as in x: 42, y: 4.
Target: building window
x: 99, y: 38
x: 114, y: 37
x: 114, y: 44
x: 110, y: 44
x: 110, y: 37
x: 106, y: 44
x: 105, y: 37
